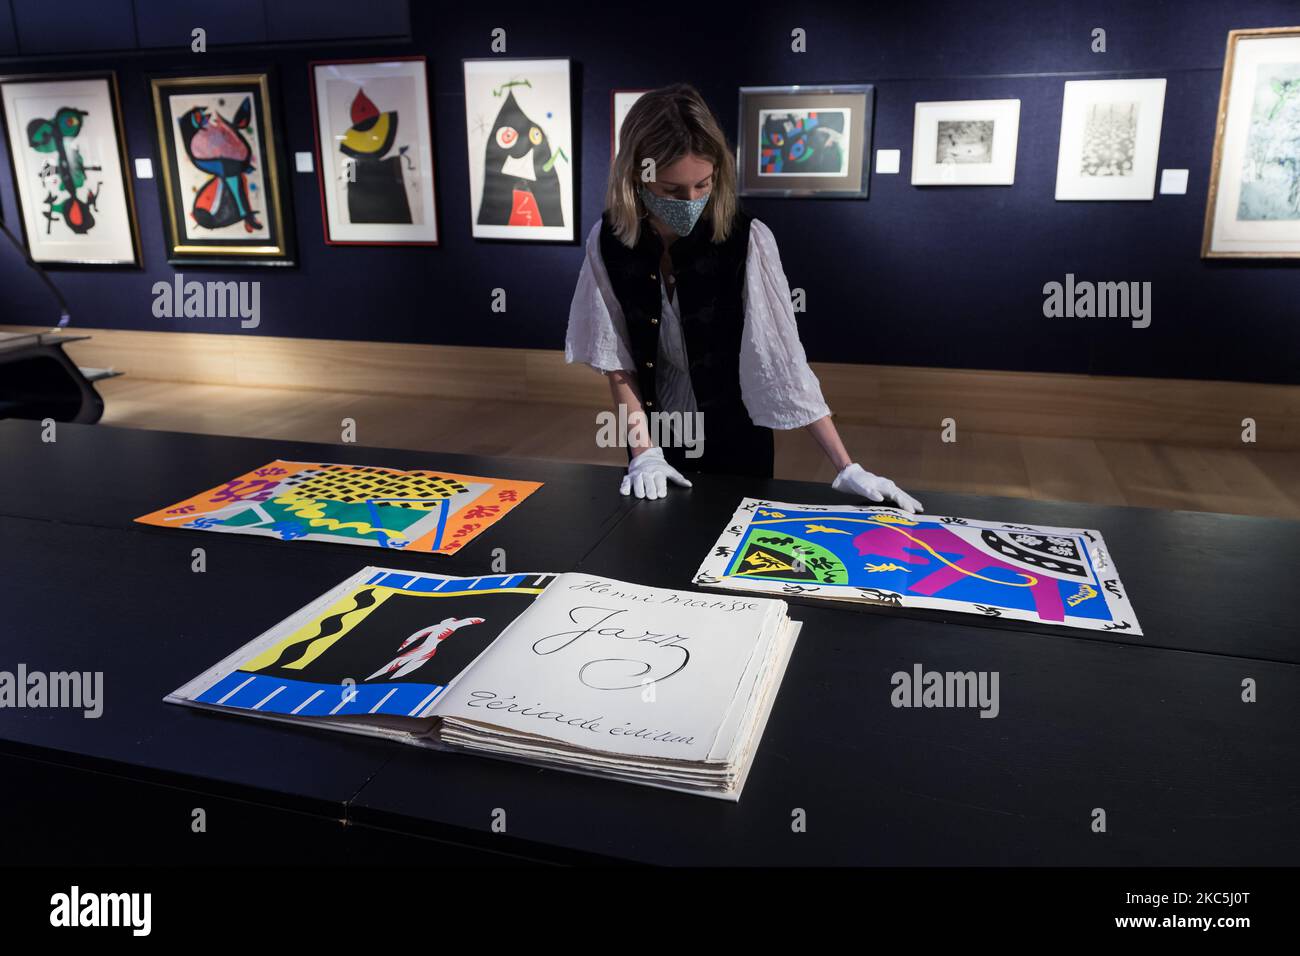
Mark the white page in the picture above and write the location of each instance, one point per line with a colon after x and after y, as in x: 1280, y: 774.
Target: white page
x: 617, y: 667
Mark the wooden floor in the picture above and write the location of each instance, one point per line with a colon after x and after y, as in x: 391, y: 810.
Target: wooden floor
x: 1146, y: 474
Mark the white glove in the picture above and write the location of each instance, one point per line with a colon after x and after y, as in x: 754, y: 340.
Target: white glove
x: 855, y: 480
x: 648, y: 475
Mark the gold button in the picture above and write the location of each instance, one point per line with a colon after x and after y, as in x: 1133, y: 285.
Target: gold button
x: 654, y: 321
x: 653, y: 276
x: 649, y: 364
x: 649, y: 404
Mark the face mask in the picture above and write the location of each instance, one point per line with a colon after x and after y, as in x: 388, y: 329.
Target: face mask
x: 680, y: 215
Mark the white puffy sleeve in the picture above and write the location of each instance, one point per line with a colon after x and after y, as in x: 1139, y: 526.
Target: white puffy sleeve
x: 597, y: 334
x: 778, y: 388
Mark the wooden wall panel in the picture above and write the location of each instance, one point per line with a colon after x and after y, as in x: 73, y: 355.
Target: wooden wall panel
x: 1176, y: 411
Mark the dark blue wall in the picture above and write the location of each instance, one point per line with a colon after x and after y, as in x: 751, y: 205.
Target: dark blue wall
x: 939, y: 277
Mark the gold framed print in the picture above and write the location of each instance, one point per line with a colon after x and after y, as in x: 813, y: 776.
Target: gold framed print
x: 1253, y: 209
x: 225, y: 197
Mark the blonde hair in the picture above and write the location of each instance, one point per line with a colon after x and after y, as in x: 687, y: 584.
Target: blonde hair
x: 664, y: 125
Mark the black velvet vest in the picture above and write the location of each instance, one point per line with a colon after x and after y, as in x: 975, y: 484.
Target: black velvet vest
x: 710, y: 287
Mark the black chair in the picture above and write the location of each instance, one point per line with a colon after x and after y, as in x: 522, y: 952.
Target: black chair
x: 38, y: 380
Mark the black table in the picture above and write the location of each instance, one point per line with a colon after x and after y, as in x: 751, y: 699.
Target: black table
x: 1221, y: 584
x: 87, y: 589
x: 1151, y: 729
x: 106, y: 477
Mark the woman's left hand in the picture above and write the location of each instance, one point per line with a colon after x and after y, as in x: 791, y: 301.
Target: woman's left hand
x: 856, y: 480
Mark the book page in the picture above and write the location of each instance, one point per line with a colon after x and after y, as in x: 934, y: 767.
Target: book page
x: 383, y: 644
x: 620, y: 668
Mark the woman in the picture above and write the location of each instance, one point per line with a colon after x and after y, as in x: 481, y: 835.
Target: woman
x: 682, y: 303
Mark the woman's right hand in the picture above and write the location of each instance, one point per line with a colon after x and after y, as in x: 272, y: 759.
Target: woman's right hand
x: 648, y: 475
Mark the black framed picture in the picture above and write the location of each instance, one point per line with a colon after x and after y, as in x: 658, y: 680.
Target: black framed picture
x: 68, y: 155
x: 796, y: 141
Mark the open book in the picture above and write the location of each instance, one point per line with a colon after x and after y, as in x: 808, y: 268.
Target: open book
x: 665, y: 688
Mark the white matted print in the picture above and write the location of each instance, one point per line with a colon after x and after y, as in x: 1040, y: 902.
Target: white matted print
x: 375, y: 151
x: 1110, y: 139
x: 804, y: 142
x: 1254, y: 202
x: 519, y: 118
x: 66, y: 153
x: 621, y: 101
x: 965, y: 143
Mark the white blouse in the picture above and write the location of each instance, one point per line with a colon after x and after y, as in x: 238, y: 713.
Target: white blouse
x: 777, y: 386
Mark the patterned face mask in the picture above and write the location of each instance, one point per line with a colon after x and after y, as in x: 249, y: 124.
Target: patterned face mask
x: 680, y: 215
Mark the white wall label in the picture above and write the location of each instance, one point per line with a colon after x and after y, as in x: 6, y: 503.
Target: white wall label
x: 303, y: 162
x: 888, y: 160
x: 144, y: 168
x: 1173, y: 182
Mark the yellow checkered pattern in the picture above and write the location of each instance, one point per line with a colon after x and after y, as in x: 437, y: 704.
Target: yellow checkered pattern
x: 352, y: 485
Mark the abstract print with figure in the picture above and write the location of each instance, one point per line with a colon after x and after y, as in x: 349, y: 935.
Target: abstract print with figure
x: 803, y: 142
x: 71, y: 196
x: 521, y: 186
x: 878, y: 555
x: 436, y: 512
x: 377, y: 164
x: 519, y: 134
x: 389, y: 645
x: 218, y: 149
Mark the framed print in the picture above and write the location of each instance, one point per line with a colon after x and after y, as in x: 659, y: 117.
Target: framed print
x: 519, y: 119
x: 965, y: 143
x: 1110, y: 139
x: 374, y: 151
x: 805, y: 140
x: 68, y: 157
x: 1253, y: 210
x: 225, y: 198
x: 620, y: 101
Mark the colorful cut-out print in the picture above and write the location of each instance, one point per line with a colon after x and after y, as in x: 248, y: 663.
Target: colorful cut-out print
x: 876, y: 555
x: 436, y: 512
